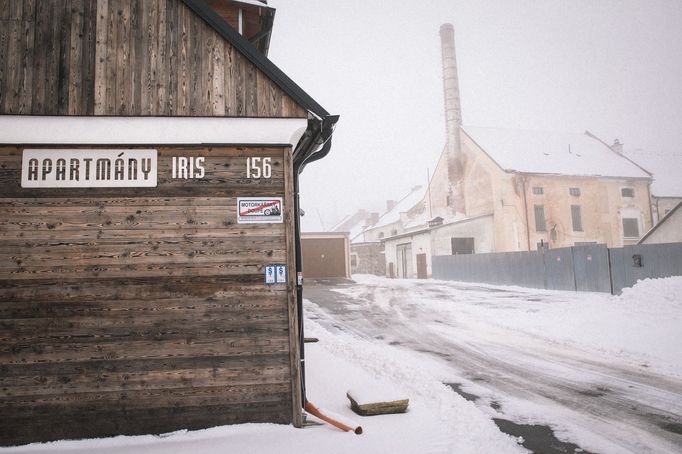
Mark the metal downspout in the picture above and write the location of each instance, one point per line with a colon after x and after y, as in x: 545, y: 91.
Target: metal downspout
x: 325, y: 134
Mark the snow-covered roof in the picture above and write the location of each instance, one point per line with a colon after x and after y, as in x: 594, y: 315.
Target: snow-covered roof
x: 405, y: 204
x: 556, y: 153
x: 355, y: 232
x: 665, y: 168
x: 340, y: 225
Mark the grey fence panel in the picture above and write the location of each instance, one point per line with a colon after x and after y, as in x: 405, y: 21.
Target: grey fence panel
x: 507, y: 268
x: 617, y: 270
x: 584, y: 268
x: 591, y: 268
x: 559, y: 274
x: 644, y: 261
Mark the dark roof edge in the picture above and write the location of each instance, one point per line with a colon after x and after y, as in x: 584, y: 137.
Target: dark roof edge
x: 256, y: 57
x: 660, y: 221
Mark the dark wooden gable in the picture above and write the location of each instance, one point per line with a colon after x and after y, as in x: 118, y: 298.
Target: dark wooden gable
x: 128, y: 58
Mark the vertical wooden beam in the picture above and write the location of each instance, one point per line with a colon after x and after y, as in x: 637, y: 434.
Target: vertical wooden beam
x: 172, y: 38
x: 196, y: 81
x: 4, y: 9
x: 123, y: 69
x: 239, y: 78
x: 218, y: 58
x: 183, y: 78
x: 26, y: 62
x: 10, y: 87
x: 76, y: 39
x: 16, y: 10
x: 41, y: 45
x: 112, y: 58
x: 145, y: 81
x: 136, y: 56
x: 262, y: 91
x: 4, y: 41
x: 64, y: 41
x: 251, y: 90
x: 229, y: 74
x: 162, y: 69
x: 102, y: 22
x: 209, y: 38
x: 88, y: 58
x: 290, y: 240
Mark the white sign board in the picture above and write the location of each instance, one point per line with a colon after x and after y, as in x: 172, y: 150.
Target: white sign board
x: 73, y: 168
x: 270, y: 274
x: 259, y: 210
x: 281, y: 274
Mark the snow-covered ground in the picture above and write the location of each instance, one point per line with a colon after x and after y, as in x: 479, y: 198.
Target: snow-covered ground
x: 604, y: 372
x: 641, y: 327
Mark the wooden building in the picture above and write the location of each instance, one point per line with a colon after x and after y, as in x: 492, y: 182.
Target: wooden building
x: 149, y: 249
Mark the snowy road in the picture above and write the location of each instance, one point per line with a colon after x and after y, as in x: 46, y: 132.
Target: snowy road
x: 601, y: 372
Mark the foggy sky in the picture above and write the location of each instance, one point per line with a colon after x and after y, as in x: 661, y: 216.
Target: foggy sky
x: 613, y: 67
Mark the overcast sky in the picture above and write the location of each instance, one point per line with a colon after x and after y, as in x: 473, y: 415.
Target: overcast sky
x: 613, y: 67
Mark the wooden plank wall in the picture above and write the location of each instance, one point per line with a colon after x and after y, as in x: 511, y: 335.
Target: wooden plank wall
x: 144, y: 310
x: 126, y: 57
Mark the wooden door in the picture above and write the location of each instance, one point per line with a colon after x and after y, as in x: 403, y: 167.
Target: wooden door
x: 421, y: 266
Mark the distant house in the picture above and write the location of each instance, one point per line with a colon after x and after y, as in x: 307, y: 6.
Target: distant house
x: 366, y: 255
x: 667, y: 230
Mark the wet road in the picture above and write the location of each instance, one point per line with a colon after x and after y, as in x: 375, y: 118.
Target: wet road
x: 612, y: 406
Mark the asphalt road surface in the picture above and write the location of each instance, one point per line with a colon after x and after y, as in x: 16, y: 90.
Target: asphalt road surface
x: 619, y: 408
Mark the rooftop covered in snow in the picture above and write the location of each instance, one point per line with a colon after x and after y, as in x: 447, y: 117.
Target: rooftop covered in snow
x: 555, y: 153
x: 404, y: 205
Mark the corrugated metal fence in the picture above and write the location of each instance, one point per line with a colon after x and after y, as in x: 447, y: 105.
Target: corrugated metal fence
x: 592, y: 268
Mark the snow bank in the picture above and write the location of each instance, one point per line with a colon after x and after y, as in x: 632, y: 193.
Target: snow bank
x: 437, y: 420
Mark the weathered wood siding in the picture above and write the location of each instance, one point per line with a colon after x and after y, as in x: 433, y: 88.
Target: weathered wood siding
x: 144, y: 310
x: 126, y: 57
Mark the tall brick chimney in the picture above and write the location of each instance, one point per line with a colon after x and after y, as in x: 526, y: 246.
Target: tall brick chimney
x: 453, y: 117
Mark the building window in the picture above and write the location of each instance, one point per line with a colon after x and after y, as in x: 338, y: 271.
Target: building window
x: 462, y: 246
x: 577, y: 218
x: 574, y: 192
x: 630, y: 228
x: 381, y: 234
x: 627, y: 192
x: 538, y: 190
x: 354, y: 260
x: 394, y: 232
x: 540, y: 224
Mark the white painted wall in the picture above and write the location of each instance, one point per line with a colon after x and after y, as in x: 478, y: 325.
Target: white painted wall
x: 668, y: 231
x: 481, y: 229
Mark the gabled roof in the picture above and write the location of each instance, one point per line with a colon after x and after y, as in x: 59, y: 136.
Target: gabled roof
x: 554, y: 153
x: 415, y: 196
x: 256, y: 57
